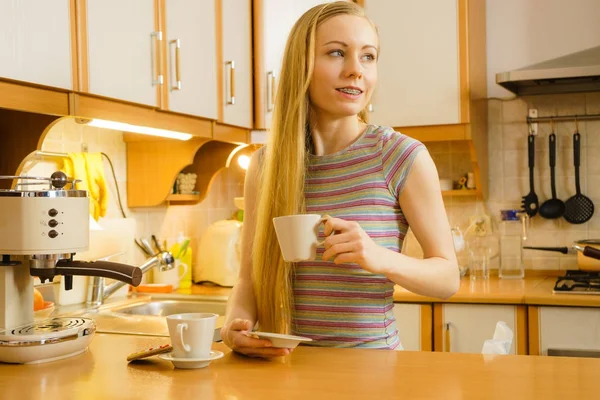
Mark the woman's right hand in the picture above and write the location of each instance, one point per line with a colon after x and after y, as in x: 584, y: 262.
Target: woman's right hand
x: 235, y: 336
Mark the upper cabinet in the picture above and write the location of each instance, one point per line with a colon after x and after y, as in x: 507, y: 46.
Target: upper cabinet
x: 35, y: 42
x: 273, y: 21
x: 123, y: 45
x: 236, y: 95
x: 191, y: 48
x: 432, y: 61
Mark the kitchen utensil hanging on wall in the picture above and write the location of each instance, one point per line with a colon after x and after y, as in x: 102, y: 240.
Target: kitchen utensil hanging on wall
x: 530, y: 201
x: 579, y: 208
x: 554, y: 207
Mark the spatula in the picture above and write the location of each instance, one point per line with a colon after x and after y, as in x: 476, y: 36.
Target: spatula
x: 530, y: 201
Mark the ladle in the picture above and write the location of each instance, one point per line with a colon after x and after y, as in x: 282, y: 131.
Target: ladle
x: 552, y: 208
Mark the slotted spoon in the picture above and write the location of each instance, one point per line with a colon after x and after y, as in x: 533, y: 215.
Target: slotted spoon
x: 579, y: 208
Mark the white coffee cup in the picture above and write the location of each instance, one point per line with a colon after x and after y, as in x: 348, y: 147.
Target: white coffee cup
x: 298, y: 236
x: 171, y: 276
x: 191, y: 334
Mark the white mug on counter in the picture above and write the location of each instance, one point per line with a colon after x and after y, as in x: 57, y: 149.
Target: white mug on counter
x: 172, y: 276
x: 298, y: 236
x: 191, y: 334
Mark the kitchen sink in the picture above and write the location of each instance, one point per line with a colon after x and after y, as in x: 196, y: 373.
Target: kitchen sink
x: 162, y: 308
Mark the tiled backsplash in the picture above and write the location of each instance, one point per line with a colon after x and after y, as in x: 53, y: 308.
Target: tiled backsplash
x: 163, y: 221
x: 509, y: 174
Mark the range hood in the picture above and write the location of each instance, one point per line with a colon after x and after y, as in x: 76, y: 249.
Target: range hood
x: 576, y: 72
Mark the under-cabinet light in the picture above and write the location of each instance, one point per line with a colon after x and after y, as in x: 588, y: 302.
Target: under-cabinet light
x: 144, y: 130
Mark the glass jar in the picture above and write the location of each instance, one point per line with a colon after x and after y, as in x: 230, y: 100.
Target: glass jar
x: 514, y: 233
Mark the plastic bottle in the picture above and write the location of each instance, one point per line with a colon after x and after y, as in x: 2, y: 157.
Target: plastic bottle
x: 183, y: 252
x: 515, y: 225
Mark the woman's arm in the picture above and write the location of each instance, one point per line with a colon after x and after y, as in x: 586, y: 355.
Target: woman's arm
x: 435, y: 275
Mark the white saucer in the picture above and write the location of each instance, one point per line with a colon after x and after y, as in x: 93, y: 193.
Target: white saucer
x: 280, y: 340
x: 189, y: 363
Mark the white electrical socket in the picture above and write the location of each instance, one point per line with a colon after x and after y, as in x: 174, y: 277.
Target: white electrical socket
x: 482, y: 224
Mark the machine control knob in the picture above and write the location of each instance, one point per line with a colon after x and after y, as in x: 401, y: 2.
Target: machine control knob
x: 52, y: 212
x: 52, y: 234
x: 52, y: 223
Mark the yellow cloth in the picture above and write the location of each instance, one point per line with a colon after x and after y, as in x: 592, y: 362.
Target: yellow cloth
x: 89, y: 168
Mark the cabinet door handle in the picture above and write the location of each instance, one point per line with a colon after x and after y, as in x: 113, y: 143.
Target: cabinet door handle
x: 177, y: 80
x: 447, y: 338
x: 231, y: 99
x: 270, y: 91
x: 155, y: 37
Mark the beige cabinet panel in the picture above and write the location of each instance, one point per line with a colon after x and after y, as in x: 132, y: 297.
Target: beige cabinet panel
x: 122, y: 50
x: 35, y: 42
x: 237, y: 63
x: 569, y: 328
x: 470, y: 325
x: 191, y: 25
x: 408, y: 322
x: 419, y: 82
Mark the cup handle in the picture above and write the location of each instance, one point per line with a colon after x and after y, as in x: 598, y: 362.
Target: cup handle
x: 180, y: 328
x: 185, y: 269
x: 323, y: 219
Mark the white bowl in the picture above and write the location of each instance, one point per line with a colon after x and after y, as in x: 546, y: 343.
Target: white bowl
x: 279, y: 340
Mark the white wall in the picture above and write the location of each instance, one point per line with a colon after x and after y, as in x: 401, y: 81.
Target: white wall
x: 525, y: 32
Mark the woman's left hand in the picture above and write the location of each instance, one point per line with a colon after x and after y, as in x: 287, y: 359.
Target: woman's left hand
x: 351, y: 244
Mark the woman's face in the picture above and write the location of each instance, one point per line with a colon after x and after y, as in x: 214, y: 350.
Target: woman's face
x: 345, y: 70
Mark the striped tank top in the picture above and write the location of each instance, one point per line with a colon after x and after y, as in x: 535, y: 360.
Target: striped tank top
x: 344, y: 305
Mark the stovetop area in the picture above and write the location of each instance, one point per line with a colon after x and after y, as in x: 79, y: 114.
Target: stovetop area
x: 578, y: 282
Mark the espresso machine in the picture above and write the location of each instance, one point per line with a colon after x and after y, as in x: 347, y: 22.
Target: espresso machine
x: 44, y: 222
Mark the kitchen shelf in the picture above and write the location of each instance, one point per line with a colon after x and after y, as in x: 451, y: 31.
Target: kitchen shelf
x: 183, y: 198
x: 459, y: 192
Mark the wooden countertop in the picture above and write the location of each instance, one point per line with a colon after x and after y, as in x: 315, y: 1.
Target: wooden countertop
x: 308, y: 373
x: 532, y: 290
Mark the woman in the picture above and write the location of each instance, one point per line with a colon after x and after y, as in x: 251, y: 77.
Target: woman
x: 323, y: 158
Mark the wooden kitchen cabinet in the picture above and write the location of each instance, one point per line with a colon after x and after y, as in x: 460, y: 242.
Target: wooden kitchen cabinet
x: 190, y: 46
x: 463, y: 328
x: 563, y: 329
x: 35, y: 42
x: 236, y: 91
x: 273, y: 21
x: 414, y: 324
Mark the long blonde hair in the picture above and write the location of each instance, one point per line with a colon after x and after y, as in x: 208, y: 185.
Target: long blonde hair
x: 281, y: 184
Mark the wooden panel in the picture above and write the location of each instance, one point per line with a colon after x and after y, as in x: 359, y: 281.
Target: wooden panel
x: 435, y: 133
x: 521, y: 331
x: 533, y: 330
x: 162, y: 97
x: 438, y: 327
x: 74, y: 50
x: 463, y: 61
x: 21, y: 133
x: 219, y: 56
x: 260, y: 72
x: 82, y: 47
x: 35, y: 42
x: 151, y: 170
x: 426, y: 327
x: 33, y: 99
x: 96, y: 107
x: 228, y: 133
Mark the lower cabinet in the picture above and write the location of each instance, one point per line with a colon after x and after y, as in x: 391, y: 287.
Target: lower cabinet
x: 564, y: 331
x: 414, y: 323
x: 463, y: 328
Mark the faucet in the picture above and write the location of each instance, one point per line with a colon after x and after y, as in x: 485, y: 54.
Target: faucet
x: 99, y: 291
